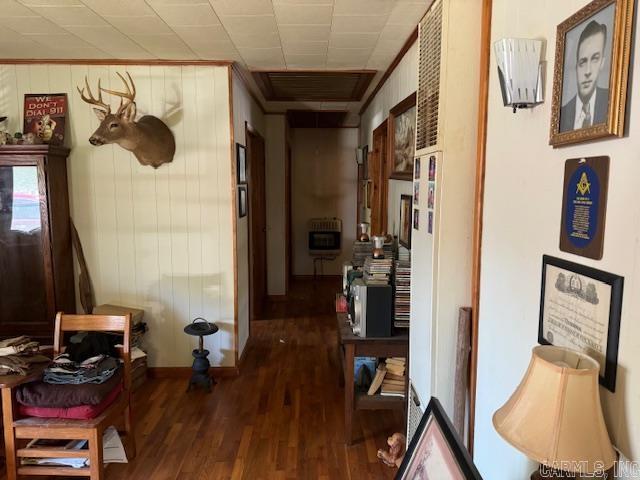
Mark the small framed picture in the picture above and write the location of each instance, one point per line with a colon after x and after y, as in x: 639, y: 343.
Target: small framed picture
x: 242, y: 201
x: 436, y: 451
x: 593, y: 51
x: 432, y: 168
x: 402, y: 125
x: 430, y: 222
x: 416, y: 219
x: 241, y: 164
x: 416, y: 193
x: 431, y: 194
x: 405, y: 220
x: 416, y: 169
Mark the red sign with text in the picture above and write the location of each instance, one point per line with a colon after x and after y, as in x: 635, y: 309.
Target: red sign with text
x: 45, y: 116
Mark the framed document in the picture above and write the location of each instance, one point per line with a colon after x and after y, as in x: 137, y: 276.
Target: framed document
x: 580, y: 308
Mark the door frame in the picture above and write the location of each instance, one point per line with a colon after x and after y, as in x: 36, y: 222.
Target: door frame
x: 378, y: 171
x: 250, y: 131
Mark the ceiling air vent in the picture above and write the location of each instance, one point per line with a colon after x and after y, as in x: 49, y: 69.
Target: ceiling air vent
x: 428, y: 100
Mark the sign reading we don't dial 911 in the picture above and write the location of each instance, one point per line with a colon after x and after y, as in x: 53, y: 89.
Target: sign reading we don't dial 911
x: 45, y: 115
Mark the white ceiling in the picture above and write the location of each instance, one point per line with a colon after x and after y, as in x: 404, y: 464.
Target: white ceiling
x: 258, y: 34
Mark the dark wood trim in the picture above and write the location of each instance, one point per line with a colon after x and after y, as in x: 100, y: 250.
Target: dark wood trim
x: 261, y: 77
x: 234, y: 218
x: 311, y: 277
x: 246, y: 84
x: 405, y: 48
x: 112, y: 61
x: 398, y: 109
x: 277, y: 298
x: 288, y: 154
x: 378, y: 172
x: 160, y: 373
x: 481, y: 157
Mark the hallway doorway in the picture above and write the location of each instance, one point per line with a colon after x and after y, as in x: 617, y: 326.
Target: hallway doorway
x: 257, y: 222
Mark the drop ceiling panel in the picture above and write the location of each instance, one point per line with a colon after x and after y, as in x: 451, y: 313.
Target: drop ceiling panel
x: 306, y: 61
x: 145, y: 25
x: 119, y: 8
x: 306, y: 48
x: 242, y: 7
x: 111, y: 41
x: 249, y: 24
x: 362, y: 7
x: 30, y: 25
x: 257, y: 40
x: 307, y: 33
x: 11, y: 8
x: 353, y: 40
x: 303, y: 14
x: 39, y: 3
x: 180, y: 15
x: 407, y: 13
x: 166, y: 46
x: 358, y: 23
x: 71, y: 15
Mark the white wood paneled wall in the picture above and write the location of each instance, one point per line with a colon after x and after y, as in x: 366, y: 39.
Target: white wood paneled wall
x: 161, y: 239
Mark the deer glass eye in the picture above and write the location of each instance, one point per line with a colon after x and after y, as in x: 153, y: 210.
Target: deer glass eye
x: 113, y: 125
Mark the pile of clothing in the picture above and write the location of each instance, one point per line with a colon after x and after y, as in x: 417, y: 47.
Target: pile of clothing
x: 18, y: 354
x: 79, y: 384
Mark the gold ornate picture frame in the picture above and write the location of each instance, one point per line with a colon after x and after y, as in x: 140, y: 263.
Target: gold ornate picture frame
x: 572, y: 119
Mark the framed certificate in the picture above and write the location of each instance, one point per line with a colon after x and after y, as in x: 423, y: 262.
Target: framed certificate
x: 580, y: 308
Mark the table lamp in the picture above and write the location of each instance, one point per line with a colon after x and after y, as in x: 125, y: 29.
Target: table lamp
x: 555, y: 418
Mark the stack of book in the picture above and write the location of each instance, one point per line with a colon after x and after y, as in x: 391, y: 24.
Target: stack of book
x: 377, y: 271
x: 361, y: 251
x: 402, y: 298
x: 404, y: 254
x: 389, y: 378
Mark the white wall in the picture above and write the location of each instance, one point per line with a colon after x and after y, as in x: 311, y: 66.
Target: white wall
x: 161, y: 240
x: 523, y: 198
x: 245, y: 110
x: 324, y: 175
x: 401, y: 83
x: 276, y: 207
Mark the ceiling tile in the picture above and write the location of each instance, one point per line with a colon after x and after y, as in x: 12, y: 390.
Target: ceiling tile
x: 303, y: 2
x: 356, y: 55
x: 407, y: 13
x: 111, y: 41
x: 353, y: 40
x: 178, y: 15
x: 362, y: 7
x: 11, y: 8
x: 65, y: 40
x: 263, y: 57
x: 166, y: 46
x: 31, y: 25
x: 249, y: 24
x: 305, y: 61
x: 204, y: 33
x: 303, y: 14
x: 358, y: 23
x: 119, y: 8
x: 45, y: 3
x: 256, y: 40
x: 307, y: 33
x: 146, y: 25
x: 242, y: 7
x: 305, y: 48
x: 380, y: 61
x: 71, y: 15
x: 78, y: 52
x: 177, y: 2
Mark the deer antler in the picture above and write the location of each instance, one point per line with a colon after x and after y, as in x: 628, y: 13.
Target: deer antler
x: 129, y: 95
x: 91, y: 99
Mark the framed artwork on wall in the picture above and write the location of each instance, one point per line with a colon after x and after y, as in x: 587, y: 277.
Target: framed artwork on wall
x: 436, y: 451
x: 405, y: 220
x: 402, y: 136
x: 580, y: 308
x: 242, y: 201
x: 241, y: 164
x: 593, y: 52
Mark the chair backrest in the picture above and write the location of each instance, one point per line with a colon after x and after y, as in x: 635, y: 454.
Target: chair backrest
x: 97, y: 323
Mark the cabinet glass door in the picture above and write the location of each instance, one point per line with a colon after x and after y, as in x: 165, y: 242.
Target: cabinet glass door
x: 23, y: 297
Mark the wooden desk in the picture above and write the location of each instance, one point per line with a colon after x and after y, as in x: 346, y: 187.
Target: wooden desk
x: 351, y: 346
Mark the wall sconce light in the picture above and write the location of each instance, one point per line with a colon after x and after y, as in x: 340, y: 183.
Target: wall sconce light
x: 520, y: 71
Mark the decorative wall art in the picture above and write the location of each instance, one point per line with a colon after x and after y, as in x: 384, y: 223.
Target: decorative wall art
x: 405, y: 221
x: 242, y: 201
x: 593, y: 49
x: 432, y: 168
x: 416, y: 169
x: 45, y: 116
x: 584, y: 206
x: 436, y: 451
x: 149, y: 138
x: 402, y: 134
x: 416, y: 219
x: 580, y: 308
x: 431, y: 194
x: 430, y: 222
x: 416, y: 193
x: 241, y: 164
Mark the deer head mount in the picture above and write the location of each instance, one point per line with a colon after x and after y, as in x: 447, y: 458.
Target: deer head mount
x: 149, y: 139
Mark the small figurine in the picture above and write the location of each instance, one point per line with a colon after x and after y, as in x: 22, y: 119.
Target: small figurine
x: 393, y: 458
x: 31, y: 139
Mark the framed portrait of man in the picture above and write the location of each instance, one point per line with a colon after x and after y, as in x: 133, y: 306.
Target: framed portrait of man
x: 593, y: 49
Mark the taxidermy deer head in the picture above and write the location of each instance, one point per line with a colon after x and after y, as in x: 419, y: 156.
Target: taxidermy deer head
x: 149, y: 139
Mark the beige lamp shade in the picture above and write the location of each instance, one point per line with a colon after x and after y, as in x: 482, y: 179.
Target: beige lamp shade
x: 554, y: 417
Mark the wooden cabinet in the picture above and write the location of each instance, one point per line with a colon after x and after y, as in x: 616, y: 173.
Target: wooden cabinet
x: 36, y: 267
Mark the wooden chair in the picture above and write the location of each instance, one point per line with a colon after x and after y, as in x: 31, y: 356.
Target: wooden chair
x: 18, y: 431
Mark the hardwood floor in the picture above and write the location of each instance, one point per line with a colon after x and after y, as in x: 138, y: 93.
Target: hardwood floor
x: 282, y: 418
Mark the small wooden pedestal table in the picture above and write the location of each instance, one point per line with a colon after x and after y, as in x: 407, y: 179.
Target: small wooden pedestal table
x: 351, y: 346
